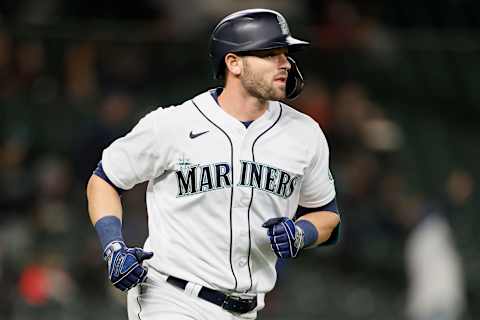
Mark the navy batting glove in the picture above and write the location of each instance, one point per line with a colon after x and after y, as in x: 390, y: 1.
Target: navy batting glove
x: 125, y: 265
x: 286, y: 238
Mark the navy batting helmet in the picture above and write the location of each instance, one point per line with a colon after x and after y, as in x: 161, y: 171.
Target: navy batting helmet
x: 252, y: 30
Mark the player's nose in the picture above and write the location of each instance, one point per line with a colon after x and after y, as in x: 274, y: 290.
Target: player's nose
x: 284, y: 63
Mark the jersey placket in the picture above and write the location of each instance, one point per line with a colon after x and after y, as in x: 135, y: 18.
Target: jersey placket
x: 240, y: 223
x: 241, y: 142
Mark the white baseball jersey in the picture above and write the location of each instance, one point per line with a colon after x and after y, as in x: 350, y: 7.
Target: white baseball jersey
x: 213, y: 183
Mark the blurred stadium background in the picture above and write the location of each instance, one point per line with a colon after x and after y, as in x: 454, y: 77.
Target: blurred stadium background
x: 395, y: 85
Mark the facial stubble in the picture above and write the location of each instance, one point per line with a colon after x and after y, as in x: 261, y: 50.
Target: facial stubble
x: 257, y: 86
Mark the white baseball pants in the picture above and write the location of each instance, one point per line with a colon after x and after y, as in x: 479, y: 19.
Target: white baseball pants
x: 156, y: 299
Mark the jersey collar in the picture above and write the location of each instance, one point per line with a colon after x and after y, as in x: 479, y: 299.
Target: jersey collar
x: 210, y: 108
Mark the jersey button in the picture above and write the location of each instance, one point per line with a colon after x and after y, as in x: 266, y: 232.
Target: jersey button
x: 242, y: 262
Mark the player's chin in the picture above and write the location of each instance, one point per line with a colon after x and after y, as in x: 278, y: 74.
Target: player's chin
x: 280, y: 90
x: 281, y: 93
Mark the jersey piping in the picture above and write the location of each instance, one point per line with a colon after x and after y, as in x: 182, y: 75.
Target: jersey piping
x: 231, y: 190
x: 138, y: 301
x: 251, y: 197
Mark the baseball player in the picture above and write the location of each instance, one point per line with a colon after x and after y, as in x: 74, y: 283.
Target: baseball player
x: 237, y: 179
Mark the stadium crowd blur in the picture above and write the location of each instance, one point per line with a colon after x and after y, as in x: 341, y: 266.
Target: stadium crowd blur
x: 392, y: 86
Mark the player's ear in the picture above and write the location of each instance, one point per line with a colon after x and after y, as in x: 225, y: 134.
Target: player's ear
x: 233, y: 63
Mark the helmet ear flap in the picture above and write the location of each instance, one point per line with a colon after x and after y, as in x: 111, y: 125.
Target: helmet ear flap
x: 295, y: 81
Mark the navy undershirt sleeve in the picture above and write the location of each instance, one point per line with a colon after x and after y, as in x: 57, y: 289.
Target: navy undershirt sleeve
x: 331, y: 206
x: 99, y: 172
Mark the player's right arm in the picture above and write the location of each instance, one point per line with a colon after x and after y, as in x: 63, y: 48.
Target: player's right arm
x: 128, y: 161
x: 125, y: 268
x: 103, y: 200
x: 132, y: 159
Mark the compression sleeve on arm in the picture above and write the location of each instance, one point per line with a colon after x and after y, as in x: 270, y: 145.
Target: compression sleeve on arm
x: 109, y: 228
x: 310, y: 233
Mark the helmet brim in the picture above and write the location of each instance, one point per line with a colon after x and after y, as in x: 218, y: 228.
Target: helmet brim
x: 296, y: 44
x: 289, y: 42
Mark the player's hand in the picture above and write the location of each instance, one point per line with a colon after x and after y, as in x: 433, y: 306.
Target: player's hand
x: 125, y: 265
x: 285, y: 237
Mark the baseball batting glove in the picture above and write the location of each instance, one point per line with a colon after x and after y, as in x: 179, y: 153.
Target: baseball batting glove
x: 286, y: 238
x: 125, y: 265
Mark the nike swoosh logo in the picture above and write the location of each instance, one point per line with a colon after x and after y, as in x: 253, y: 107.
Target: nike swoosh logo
x: 195, y: 135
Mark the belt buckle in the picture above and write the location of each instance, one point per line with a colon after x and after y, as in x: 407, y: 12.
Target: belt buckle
x: 238, y: 304
x: 227, y: 299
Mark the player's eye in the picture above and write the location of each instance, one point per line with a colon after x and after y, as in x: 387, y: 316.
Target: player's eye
x: 263, y: 55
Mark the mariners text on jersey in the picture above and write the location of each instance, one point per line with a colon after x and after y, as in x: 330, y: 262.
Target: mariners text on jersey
x: 194, y: 179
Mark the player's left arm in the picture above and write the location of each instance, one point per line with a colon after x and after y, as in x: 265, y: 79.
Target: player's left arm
x: 317, y: 220
x: 312, y: 227
x: 318, y: 210
x: 324, y: 223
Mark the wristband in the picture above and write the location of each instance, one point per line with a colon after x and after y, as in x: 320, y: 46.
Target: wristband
x: 109, y: 229
x: 310, y: 233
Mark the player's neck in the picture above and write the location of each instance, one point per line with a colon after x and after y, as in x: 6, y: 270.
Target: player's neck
x: 241, y: 105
